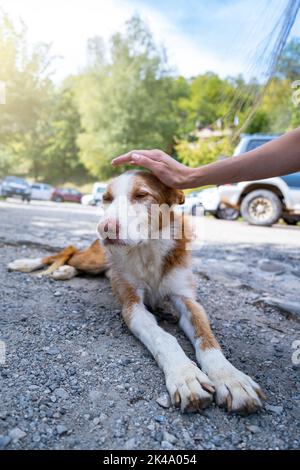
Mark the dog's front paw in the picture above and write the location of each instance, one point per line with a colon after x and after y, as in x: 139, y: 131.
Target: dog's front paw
x: 236, y: 391
x: 189, y: 387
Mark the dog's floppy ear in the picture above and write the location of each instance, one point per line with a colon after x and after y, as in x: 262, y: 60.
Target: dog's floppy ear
x: 181, y: 196
x: 176, y: 197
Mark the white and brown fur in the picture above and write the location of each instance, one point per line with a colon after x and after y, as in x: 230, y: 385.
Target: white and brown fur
x: 145, y: 272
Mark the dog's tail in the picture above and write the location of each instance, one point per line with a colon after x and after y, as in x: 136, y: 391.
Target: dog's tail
x: 91, y: 260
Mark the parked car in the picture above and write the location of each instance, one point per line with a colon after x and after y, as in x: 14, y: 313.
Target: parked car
x: 263, y: 202
x: 212, y: 204
x: 95, y: 198
x: 66, y: 195
x: 191, y: 203
x: 87, y: 200
x: 98, y: 191
x: 41, y: 191
x: 210, y: 201
x: 12, y: 186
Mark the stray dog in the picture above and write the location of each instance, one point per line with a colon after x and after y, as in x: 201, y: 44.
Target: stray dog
x: 145, y: 270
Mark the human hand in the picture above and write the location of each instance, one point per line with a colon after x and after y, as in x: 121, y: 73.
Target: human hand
x: 164, y: 167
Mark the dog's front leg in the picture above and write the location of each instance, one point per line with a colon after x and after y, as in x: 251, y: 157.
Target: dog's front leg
x: 234, y: 389
x: 186, y: 384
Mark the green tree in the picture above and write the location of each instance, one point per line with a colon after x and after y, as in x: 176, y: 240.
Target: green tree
x: 209, y: 99
x: 203, y: 151
x: 60, y: 145
x: 277, y: 105
x: 126, y: 103
x: 289, y: 63
x: 276, y: 112
x: 28, y: 95
x: 295, y: 120
x: 260, y: 122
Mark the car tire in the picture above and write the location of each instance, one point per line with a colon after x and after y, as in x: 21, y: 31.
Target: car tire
x: 290, y: 219
x: 227, y: 213
x: 261, y: 207
x: 58, y: 199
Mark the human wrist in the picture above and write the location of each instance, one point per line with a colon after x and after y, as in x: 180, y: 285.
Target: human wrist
x: 193, y: 178
x: 183, y: 177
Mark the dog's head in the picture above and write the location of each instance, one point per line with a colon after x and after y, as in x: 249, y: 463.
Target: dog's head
x: 136, y: 207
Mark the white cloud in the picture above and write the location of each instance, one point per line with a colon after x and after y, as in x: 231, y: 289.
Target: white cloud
x: 69, y: 23
x: 186, y: 54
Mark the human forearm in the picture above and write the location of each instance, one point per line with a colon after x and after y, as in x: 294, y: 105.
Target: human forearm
x: 276, y: 158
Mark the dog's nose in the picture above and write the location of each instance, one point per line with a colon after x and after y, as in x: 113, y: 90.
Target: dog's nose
x: 110, y: 227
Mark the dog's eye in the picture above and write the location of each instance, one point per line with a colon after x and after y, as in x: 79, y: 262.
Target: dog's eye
x: 141, y: 195
x: 107, y: 198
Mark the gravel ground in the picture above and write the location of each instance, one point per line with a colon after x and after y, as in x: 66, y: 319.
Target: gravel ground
x: 75, y: 378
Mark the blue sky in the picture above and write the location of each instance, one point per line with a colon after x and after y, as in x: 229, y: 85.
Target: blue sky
x: 200, y: 35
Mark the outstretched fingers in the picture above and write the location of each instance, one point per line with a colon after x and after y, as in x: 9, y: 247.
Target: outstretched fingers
x: 137, y: 157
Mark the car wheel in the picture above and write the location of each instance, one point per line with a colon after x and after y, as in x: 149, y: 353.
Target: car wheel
x: 291, y: 220
x: 261, y: 207
x: 58, y: 199
x: 227, y: 213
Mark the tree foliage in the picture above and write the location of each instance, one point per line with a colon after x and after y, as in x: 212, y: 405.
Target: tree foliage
x: 28, y: 96
x: 126, y: 102
x: 61, y: 149
x: 289, y: 62
x: 127, y: 97
x: 203, y: 151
